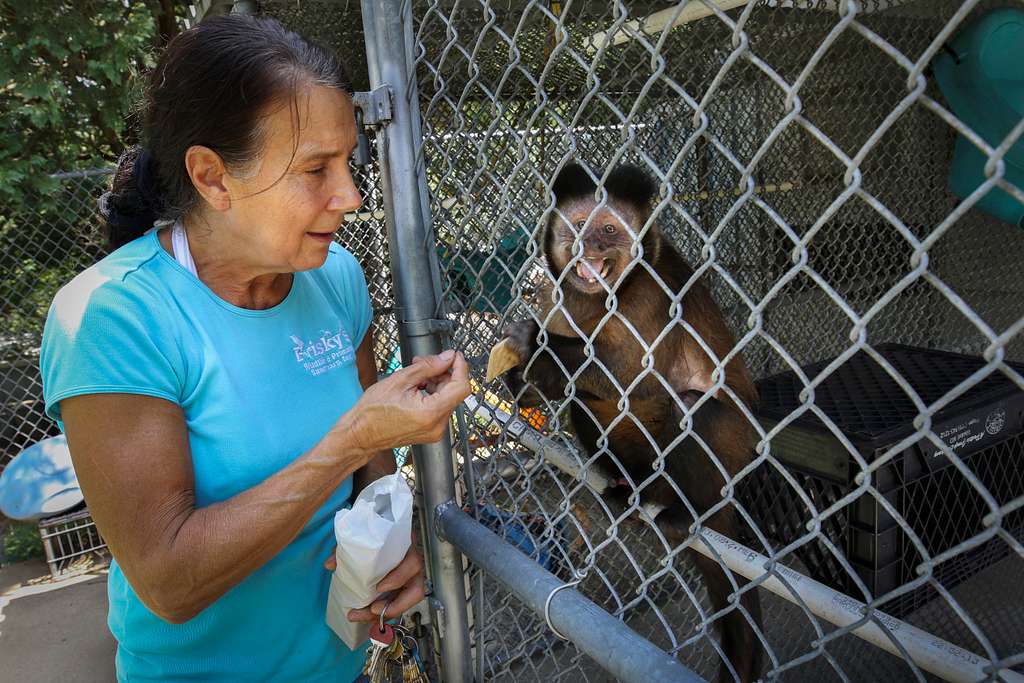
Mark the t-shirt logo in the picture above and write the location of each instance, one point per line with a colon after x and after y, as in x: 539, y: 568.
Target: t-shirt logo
x: 331, y: 350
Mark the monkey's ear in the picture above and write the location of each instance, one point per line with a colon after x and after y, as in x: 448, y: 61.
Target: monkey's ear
x: 572, y: 182
x: 632, y: 184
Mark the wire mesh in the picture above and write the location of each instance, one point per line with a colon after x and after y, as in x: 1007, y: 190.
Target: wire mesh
x: 802, y: 151
x: 44, y: 242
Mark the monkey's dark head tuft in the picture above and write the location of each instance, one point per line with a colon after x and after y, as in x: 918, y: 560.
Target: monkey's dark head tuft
x: 572, y: 183
x: 627, y: 183
x: 595, y: 241
x: 631, y: 183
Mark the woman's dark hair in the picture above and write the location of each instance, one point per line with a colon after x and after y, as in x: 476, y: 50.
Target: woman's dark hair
x: 212, y: 86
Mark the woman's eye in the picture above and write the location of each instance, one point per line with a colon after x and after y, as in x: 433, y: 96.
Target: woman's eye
x: 609, y: 229
x: 316, y: 171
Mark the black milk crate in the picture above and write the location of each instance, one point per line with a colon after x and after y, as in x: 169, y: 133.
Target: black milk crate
x: 983, y: 427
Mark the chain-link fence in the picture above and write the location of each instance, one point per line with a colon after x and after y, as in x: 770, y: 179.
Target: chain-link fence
x: 803, y: 154
x: 44, y: 242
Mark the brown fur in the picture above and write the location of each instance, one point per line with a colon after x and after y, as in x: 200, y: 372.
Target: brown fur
x: 678, y: 358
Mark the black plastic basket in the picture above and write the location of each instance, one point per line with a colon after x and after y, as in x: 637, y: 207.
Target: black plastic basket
x: 983, y: 427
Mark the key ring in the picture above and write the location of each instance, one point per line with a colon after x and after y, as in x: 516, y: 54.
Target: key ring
x: 547, y: 603
x: 380, y: 625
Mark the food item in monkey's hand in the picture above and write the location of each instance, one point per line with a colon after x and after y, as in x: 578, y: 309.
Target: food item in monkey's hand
x: 501, y: 360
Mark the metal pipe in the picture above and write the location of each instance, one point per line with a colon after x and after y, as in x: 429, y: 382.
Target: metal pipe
x: 609, y: 642
x: 478, y: 614
x: 934, y: 655
x: 416, y: 306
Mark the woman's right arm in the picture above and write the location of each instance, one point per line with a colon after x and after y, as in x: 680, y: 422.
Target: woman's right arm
x: 131, y: 454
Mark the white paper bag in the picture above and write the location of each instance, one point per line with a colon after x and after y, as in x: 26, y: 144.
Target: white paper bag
x: 373, y: 536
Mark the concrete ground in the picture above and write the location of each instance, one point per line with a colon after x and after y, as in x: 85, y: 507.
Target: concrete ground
x: 54, y: 630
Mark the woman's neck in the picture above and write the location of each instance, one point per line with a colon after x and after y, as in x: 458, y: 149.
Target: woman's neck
x: 228, y: 277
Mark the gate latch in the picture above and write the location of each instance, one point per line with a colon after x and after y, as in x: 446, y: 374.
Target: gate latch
x: 373, y: 109
x: 374, y: 105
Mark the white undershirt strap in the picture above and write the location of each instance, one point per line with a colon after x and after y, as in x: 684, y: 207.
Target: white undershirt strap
x: 179, y: 244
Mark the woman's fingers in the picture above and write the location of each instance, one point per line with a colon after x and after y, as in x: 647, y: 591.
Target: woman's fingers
x: 363, y: 615
x: 405, y: 584
x: 394, y: 412
x: 426, y: 368
x: 435, y: 372
x: 410, y: 566
x: 331, y: 563
x: 408, y: 597
x: 454, y: 388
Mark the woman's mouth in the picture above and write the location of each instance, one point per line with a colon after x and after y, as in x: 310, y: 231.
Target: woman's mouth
x: 322, y: 237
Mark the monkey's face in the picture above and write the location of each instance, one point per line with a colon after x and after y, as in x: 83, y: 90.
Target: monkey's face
x: 601, y: 238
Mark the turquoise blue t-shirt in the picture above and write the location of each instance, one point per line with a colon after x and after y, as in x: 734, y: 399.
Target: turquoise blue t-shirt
x: 257, y: 389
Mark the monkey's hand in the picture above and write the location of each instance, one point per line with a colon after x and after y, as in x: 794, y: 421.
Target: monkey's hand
x: 521, y: 340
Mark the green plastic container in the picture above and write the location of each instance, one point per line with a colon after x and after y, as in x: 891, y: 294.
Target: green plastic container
x: 981, y: 75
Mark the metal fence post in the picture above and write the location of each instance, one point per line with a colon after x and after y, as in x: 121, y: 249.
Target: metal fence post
x: 416, y: 306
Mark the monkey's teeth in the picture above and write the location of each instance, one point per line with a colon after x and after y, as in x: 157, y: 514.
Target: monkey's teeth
x: 586, y: 271
x: 604, y: 270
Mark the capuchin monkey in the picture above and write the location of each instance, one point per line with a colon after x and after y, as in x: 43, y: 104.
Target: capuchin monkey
x: 660, y: 401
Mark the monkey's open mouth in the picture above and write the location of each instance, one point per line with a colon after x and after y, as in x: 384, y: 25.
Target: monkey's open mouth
x: 590, y: 269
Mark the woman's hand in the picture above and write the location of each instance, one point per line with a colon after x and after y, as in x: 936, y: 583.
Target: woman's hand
x: 406, y: 582
x: 414, y: 405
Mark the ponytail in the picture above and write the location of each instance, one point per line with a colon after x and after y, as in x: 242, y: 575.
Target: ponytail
x: 133, y: 204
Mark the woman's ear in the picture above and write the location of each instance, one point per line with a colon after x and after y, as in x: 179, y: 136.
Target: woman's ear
x: 206, y: 169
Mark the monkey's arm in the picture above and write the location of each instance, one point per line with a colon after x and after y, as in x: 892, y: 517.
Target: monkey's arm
x: 707, y: 320
x: 558, y: 359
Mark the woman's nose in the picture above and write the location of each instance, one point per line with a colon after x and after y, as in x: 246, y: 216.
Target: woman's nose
x: 345, y: 197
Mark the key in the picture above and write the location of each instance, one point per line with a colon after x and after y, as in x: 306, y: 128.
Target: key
x: 412, y: 666
x: 393, y: 658
x: 412, y: 671
x: 380, y: 641
x: 386, y: 651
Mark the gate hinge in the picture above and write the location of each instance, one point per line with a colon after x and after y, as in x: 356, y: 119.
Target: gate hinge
x: 374, y: 105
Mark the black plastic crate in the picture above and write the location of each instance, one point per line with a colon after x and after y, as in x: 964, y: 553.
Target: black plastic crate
x: 983, y: 427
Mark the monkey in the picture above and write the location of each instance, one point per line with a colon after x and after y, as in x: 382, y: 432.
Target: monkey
x: 585, y: 277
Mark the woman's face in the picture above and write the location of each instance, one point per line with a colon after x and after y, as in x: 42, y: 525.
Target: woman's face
x: 285, y: 211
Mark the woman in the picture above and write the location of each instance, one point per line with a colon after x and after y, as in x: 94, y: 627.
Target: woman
x: 208, y: 375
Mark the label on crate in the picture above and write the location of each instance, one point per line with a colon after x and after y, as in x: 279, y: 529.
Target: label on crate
x: 971, y: 432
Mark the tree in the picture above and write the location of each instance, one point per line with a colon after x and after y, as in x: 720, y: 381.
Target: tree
x: 68, y: 73
x: 68, y: 81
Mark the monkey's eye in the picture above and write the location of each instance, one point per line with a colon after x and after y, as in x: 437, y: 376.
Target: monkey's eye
x: 580, y: 224
x: 609, y: 229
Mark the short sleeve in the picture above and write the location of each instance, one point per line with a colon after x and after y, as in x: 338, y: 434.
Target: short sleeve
x: 102, y: 336
x: 355, y: 294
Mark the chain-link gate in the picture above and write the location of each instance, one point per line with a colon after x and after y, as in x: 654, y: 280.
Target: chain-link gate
x: 803, y: 153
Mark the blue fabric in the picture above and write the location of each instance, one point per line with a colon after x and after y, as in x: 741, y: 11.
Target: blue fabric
x: 257, y: 389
